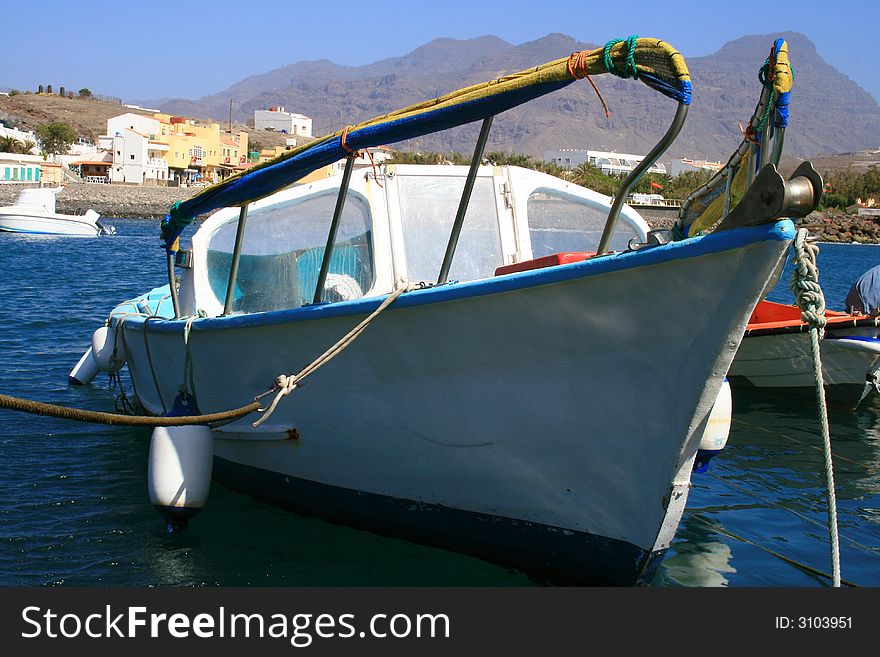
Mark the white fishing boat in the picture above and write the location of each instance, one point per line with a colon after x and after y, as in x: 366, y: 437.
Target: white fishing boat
x: 33, y: 213
x: 509, y: 394
x: 775, y: 354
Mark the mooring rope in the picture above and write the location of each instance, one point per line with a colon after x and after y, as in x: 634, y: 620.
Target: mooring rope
x: 99, y: 417
x: 287, y: 383
x: 284, y: 385
x: 811, y: 301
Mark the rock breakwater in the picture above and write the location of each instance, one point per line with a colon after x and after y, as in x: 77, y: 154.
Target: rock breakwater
x: 129, y: 201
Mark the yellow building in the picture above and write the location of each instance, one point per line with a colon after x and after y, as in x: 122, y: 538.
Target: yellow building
x: 201, y: 152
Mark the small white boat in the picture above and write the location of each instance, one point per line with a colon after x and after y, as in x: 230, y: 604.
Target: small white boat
x: 34, y: 214
x: 775, y: 353
x: 518, y: 398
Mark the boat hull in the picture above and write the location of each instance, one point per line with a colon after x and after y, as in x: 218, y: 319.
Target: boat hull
x: 37, y: 224
x: 784, y: 363
x: 546, y: 420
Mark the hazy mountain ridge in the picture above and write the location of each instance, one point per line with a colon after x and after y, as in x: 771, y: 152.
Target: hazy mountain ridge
x: 830, y: 112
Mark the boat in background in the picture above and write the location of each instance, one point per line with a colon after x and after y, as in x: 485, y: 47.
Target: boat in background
x: 775, y: 354
x: 33, y: 213
x: 545, y: 416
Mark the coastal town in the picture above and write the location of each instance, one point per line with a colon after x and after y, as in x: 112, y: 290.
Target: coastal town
x: 146, y: 159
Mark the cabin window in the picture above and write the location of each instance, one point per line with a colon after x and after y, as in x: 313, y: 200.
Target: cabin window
x: 428, y: 205
x: 561, y: 222
x: 282, y: 253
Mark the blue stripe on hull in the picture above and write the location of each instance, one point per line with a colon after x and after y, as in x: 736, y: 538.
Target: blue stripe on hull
x: 552, y: 554
x: 690, y: 248
x: 27, y: 232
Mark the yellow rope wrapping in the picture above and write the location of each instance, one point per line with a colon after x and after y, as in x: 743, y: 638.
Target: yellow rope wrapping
x: 707, y: 205
x: 782, y: 77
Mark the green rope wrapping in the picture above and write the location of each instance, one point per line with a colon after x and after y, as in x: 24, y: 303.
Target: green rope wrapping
x: 765, y: 79
x: 630, y: 71
x: 174, y: 217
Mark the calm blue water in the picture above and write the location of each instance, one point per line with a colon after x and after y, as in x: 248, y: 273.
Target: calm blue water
x: 74, y: 507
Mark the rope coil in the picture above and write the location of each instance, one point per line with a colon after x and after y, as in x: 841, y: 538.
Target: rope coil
x: 630, y: 70
x: 577, y: 68
x: 356, y: 153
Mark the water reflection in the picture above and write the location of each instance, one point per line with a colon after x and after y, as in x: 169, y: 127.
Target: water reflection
x: 767, y: 492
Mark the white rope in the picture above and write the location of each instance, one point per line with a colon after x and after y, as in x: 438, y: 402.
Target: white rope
x: 287, y: 383
x: 188, y: 361
x: 811, y: 301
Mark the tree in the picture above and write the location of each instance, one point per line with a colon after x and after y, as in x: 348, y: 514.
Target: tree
x: 8, y: 144
x: 85, y: 93
x: 55, y: 137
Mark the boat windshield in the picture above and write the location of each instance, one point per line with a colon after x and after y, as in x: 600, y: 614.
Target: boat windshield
x: 282, y: 253
x: 561, y: 222
x: 427, y: 206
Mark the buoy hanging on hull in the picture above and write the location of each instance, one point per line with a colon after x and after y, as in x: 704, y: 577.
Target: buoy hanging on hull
x: 108, y: 354
x: 84, y: 372
x: 179, y: 472
x: 717, y: 429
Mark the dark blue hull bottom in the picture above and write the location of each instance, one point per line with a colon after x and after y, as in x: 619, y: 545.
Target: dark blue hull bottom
x: 546, y: 553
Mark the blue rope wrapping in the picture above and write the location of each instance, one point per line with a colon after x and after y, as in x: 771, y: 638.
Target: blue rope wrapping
x: 632, y: 71
x: 782, y: 109
x: 681, y: 92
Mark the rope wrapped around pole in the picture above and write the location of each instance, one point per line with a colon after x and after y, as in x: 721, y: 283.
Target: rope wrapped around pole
x: 811, y: 301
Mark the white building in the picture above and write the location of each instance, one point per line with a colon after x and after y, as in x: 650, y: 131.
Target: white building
x: 21, y: 136
x: 276, y: 119
x: 137, y: 158
x: 685, y: 164
x: 145, y: 125
x: 610, y: 163
x: 15, y: 167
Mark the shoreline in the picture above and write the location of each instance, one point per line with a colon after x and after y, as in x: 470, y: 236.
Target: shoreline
x: 121, y: 201
x: 110, y: 201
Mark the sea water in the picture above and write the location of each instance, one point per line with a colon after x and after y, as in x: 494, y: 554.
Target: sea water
x: 73, y: 497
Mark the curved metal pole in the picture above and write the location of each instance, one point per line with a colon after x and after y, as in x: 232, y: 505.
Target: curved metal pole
x: 236, y: 257
x: 777, y: 146
x: 334, y: 227
x: 172, y: 286
x: 727, y: 187
x: 465, y: 199
x: 636, y: 174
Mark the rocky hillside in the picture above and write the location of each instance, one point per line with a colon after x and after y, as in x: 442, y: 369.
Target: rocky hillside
x: 88, y: 116
x: 830, y: 113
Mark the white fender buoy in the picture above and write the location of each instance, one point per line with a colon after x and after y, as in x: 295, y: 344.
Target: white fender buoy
x: 179, y: 472
x: 84, y: 371
x: 109, y: 355
x: 717, y: 428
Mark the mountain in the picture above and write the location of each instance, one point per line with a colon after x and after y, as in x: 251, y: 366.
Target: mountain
x: 725, y: 91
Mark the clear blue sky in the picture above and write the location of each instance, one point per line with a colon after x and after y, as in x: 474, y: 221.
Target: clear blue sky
x: 151, y: 49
